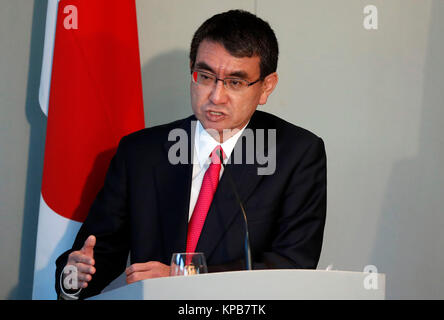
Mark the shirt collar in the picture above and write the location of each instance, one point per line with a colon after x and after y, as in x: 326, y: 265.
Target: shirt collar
x: 205, y: 144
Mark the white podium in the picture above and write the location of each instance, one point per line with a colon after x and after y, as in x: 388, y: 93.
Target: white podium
x: 256, y: 285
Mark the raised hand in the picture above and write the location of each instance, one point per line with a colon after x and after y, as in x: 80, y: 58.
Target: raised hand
x: 82, y: 262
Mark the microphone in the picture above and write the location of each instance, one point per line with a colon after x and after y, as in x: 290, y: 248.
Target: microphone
x: 248, y: 263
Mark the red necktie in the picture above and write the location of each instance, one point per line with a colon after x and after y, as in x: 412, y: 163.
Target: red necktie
x: 206, y: 194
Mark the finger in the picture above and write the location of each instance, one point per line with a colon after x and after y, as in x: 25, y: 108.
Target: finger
x: 81, y: 281
x: 88, y: 246
x: 143, y: 275
x: 154, y: 266
x: 137, y: 276
x: 84, y: 277
x: 85, y: 268
x: 150, y: 274
x: 79, y: 257
x: 137, y: 267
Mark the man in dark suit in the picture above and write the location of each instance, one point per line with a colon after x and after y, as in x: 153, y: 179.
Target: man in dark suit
x: 157, y: 184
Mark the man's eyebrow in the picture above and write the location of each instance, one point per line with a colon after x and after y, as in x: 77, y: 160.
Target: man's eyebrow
x: 204, y: 66
x: 239, y: 74
x: 236, y: 74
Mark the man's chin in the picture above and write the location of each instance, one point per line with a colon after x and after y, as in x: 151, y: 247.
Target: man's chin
x: 215, y: 132
x: 213, y: 126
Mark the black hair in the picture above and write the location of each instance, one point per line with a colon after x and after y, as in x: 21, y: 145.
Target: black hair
x: 243, y: 34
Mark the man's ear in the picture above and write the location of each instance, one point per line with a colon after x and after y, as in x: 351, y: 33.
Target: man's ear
x: 268, y: 85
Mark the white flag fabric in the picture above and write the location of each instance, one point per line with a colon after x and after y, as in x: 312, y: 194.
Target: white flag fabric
x: 48, y: 50
x: 55, y: 233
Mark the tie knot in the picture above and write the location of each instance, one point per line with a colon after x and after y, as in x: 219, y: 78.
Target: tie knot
x: 216, y: 155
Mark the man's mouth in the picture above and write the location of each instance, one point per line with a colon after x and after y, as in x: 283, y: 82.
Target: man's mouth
x: 215, y: 115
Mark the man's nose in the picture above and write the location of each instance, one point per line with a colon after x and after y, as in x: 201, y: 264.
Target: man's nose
x: 219, y: 93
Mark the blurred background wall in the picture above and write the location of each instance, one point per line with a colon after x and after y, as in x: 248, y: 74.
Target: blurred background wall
x: 376, y: 97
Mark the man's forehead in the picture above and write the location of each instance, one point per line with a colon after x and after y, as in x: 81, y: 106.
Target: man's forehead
x: 213, y: 57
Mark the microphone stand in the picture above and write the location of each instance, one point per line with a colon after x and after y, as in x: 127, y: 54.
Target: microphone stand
x: 248, y: 263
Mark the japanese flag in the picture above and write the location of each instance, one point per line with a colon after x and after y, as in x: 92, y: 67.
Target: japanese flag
x: 91, y: 92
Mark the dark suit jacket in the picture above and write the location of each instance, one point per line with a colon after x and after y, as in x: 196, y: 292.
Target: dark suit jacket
x: 143, y: 206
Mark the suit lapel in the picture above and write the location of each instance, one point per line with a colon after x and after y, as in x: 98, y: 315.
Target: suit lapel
x: 174, y: 186
x: 225, y: 208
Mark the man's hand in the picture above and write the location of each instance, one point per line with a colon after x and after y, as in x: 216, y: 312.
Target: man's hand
x: 83, y: 261
x: 147, y: 270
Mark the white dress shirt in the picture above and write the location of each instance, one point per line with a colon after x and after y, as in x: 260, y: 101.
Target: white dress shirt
x: 204, y: 144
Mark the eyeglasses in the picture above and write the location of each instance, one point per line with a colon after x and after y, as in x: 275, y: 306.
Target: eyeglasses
x: 232, y: 84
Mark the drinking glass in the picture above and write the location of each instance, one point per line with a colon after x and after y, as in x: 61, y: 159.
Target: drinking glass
x: 187, y: 264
